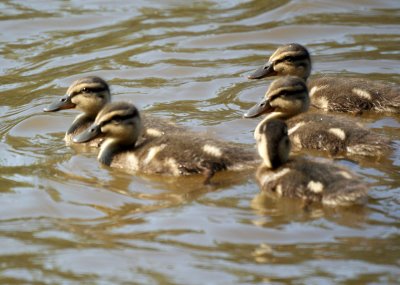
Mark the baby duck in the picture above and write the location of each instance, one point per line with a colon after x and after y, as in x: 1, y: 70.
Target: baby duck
x: 287, y: 97
x: 89, y: 95
x: 174, y: 154
x: 331, y: 93
x: 299, y: 177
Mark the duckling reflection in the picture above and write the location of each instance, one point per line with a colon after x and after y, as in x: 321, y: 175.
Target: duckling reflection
x: 330, y: 93
x: 287, y: 98
x: 174, y: 154
x: 298, y: 177
x: 89, y: 95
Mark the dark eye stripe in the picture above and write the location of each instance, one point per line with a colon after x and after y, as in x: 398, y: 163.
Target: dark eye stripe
x: 285, y: 93
x: 92, y: 89
x: 291, y: 58
x: 120, y: 118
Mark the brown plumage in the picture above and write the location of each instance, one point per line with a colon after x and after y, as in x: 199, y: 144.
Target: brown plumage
x: 299, y: 177
x: 89, y: 95
x: 175, y: 154
x: 287, y: 97
x: 331, y: 93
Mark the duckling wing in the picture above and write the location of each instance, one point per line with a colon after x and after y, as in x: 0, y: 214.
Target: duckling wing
x: 156, y: 127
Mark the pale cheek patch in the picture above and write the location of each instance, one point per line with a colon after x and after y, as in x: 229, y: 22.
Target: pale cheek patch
x: 315, y: 186
x: 316, y: 89
x: 212, y: 150
x: 154, y: 132
x: 362, y: 93
x: 338, y: 132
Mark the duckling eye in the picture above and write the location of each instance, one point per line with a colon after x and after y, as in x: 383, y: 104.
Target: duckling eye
x: 289, y: 59
x: 116, y: 121
x: 84, y: 90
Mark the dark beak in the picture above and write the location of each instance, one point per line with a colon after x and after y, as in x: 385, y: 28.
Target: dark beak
x: 61, y: 104
x: 264, y: 71
x: 92, y: 132
x: 259, y: 109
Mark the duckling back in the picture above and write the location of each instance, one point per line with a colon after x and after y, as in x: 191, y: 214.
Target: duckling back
x: 336, y: 135
x: 186, y: 154
x: 354, y: 95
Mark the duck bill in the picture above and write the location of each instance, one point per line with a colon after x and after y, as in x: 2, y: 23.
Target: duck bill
x: 264, y: 71
x: 259, y: 109
x: 92, y: 132
x: 61, y: 104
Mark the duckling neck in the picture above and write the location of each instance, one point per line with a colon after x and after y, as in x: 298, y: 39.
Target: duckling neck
x: 110, y: 148
x: 79, y: 121
x: 274, y: 115
x: 107, y: 151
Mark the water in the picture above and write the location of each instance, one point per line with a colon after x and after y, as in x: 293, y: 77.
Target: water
x: 65, y: 219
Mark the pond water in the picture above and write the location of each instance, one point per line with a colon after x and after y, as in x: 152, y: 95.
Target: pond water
x: 65, y: 219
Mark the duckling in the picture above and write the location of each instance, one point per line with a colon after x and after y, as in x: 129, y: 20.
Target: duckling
x: 287, y: 97
x: 331, y: 93
x: 89, y: 95
x: 299, y: 177
x: 174, y: 154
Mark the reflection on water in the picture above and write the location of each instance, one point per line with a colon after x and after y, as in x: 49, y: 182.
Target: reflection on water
x: 65, y: 218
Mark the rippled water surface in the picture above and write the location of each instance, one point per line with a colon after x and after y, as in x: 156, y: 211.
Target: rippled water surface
x: 64, y: 219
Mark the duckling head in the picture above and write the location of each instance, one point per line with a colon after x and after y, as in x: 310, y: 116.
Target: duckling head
x: 273, y: 142
x: 286, y: 97
x: 119, y: 122
x: 88, y: 94
x: 290, y: 59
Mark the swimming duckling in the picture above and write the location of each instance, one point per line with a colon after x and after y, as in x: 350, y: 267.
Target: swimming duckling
x: 174, y: 154
x: 299, y: 177
x: 287, y: 97
x: 89, y: 95
x: 331, y: 93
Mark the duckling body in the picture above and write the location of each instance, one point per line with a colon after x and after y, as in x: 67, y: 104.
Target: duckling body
x: 335, y: 135
x: 287, y: 98
x: 331, y: 93
x: 182, y: 155
x: 299, y: 177
x: 353, y: 95
x: 89, y: 95
x: 174, y: 154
